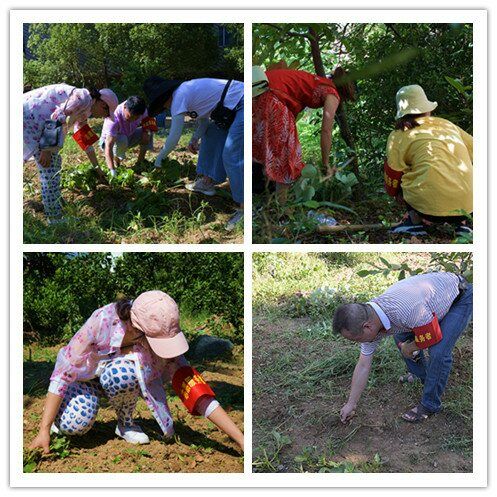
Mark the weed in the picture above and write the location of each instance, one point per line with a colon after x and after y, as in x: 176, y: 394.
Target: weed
x: 269, y: 461
x: 139, y: 452
x: 30, y: 461
x: 456, y: 443
x: 60, y: 447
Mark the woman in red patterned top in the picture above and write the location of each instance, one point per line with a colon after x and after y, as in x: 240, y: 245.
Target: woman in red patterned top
x: 275, y: 142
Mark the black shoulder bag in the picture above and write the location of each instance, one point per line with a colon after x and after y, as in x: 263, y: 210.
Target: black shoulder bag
x: 221, y: 115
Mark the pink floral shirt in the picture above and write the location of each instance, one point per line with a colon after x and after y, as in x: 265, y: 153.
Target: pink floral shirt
x: 52, y: 102
x: 100, y: 339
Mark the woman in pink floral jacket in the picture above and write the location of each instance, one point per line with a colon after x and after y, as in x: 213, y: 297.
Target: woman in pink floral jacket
x: 125, y: 350
x: 72, y: 107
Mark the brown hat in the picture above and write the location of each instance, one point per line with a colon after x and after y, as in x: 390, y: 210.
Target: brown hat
x: 157, y: 315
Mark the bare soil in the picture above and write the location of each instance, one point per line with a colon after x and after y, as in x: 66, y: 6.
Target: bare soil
x: 311, y: 420
x: 197, y: 447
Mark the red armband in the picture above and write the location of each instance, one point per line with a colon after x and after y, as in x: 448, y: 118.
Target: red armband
x: 428, y: 335
x: 392, y: 179
x: 190, y: 386
x: 85, y: 137
x: 150, y: 124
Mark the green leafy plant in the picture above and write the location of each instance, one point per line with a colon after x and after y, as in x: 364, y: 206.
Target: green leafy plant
x: 452, y: 262
x: 269, y: 460
x: 60, y: 447
x: 82, y: 177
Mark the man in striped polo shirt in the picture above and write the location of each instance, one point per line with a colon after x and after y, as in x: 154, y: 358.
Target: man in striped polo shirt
x: 425, y: 312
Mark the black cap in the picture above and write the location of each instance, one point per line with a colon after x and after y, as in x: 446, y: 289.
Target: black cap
x: 158, y: 90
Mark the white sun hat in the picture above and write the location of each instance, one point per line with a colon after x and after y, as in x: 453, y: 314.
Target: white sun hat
x: 260, y: 82
x: 412, y: 100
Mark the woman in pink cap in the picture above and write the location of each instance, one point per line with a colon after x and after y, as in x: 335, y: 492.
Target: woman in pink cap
x: 71, y: 107
x: 125, y: 350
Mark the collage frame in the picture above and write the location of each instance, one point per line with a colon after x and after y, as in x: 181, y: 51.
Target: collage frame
x: 477, y: 478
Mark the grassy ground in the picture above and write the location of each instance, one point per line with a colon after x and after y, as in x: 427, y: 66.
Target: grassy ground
x: 302, y: 373
x: 272, y: 225
x: 361, y: 204
x: 140, y: 206
x: 198, y: 445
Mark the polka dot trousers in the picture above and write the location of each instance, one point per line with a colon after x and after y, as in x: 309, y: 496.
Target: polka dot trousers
x: 118, y: 382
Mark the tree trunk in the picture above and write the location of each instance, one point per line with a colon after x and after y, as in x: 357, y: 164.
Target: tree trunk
x: 341, y: 115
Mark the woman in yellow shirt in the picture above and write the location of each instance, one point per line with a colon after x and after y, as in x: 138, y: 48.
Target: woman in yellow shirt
x: 429, y: 165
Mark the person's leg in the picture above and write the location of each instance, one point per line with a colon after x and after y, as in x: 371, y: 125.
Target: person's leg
x: 79, y: 408
x: 50, y: 186
x: 210, y: 154
x: 120, y: 384
x: 143, y: 140
x: 120, y: 147
x: 440, y: 361
x: 233, y: 156
x: 416, y: 367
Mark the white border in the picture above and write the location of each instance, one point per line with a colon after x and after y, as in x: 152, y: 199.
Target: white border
x: 477, y: 478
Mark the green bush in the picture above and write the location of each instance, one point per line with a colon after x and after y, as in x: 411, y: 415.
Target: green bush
x: 62, y: 290
x: 123, y: 55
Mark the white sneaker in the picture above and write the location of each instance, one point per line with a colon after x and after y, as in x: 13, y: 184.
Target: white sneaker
x: 132, y: 435
x: 236, y: 218
x: 202, y: 185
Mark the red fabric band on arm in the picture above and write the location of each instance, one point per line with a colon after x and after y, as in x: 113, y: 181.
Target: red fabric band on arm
x: 392, y: 179
x: 429, y: 334
x: 85, y: 137
x: 150, y: 124
x: 190, y: 386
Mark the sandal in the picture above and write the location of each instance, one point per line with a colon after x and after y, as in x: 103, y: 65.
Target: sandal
x: 408, y: 378
x: 417, y: 414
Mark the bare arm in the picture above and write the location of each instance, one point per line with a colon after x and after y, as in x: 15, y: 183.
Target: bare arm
x: 329, y: 110
x: 359, y: 381
x: 109, y: 151
x: 52, y: 406
x: 90, y: 152
x: 221, y: 419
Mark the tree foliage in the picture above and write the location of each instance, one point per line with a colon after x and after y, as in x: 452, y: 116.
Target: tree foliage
x: 123, y: 55
x: 381, y: 58
x: 62, y: 290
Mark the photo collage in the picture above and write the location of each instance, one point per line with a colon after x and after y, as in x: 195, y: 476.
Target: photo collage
x: 249, y: 245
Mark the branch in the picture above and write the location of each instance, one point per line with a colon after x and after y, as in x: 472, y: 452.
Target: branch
x: 289, y: 33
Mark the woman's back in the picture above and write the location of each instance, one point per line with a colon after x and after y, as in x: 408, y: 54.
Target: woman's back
x: 436, y: 158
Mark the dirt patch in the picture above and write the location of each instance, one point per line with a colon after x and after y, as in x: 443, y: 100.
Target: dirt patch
x: 306, y: 412
x: 198, y: 446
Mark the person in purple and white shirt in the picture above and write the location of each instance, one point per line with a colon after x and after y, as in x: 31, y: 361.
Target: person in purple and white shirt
x: 124, y: 130
x: 425, y: 314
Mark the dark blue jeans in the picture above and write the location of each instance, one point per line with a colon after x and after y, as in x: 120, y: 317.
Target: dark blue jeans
x: 434, y: 370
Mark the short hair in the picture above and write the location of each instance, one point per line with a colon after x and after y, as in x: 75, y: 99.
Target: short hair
x: 136, y: 105
x: 351, y: 317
